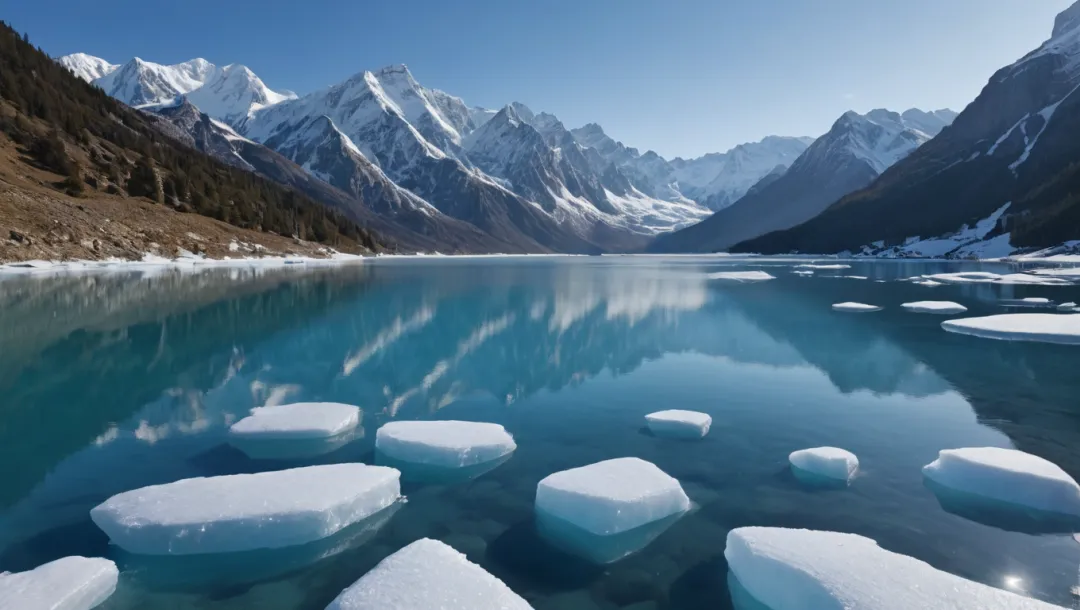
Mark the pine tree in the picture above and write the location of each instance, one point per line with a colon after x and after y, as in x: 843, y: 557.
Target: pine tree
x: 144, y: 181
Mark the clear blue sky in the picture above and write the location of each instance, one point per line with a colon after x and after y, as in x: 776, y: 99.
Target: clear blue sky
x: 682, y: 77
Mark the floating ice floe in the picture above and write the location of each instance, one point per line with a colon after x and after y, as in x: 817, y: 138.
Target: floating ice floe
x: 435, y: 449
x: 940, y: 307
x: 244, y: 512
x: 608, y: 510
x: 963, y: 277
x: 741, y: 276
x: 1038, y: 280
x: 1037, y: 300
x: 297, y: 430
x: 428, y: 574
x: 70, y: 583
x: 1066, y: 272
x: 855, y: 307
x: 788, y: 569
x: 804, y: 272
x: 1040, y: 327
x: 1007, y: 475
x: 827, y: 462
x: 855, y: 277
x: 928, y: 283
x: 1067, y: 306
x: 678, y: 423
x: 218, y: 571
x: 822, y: 266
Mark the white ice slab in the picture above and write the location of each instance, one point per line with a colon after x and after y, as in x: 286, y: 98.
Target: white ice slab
x: 71, y: 583
x: 300, y: 420
x: 941, y: 307
x: 246, y: 511
x: 1007, y: 475
x: 1067, y: 306
x: 828, y: 462
x: 928, y: 283
x: 964, y: 277
x: 613, y: 496
x: 1065, y: 272
x: 450, y: 444
x: 1042, y: 327
x: 428, y: 575
x: 822, y: 266
x: 679, y: 423
x: 741, y: 276
x: 1038, y: 280
x: 788, y: 569
x: 803, y: 272
x: 855, y: 277
x: 855, y: 307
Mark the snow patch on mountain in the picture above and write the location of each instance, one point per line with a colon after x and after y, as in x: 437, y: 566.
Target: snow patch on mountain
x: 967, y: 242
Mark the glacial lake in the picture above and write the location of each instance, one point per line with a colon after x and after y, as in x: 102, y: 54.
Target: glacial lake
x: 114, y: 381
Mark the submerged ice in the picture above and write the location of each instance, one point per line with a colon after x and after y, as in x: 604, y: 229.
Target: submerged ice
x: 608, y: 510
x: 1007, y: 475
x: 246, y: 511
x: 70, y: 583
x: 788, y: 569
x: 428, y: 574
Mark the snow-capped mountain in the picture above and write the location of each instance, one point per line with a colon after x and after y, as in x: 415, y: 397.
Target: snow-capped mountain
x: 855, y: 151
x: 87, y: 67
x: 333, y: 172
x: 715, y: 180
x: 1015, y: 144
x: 227, y: 93
x: 520, y: 176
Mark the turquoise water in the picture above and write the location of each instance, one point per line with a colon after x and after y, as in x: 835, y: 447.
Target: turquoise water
x: 114, y: 381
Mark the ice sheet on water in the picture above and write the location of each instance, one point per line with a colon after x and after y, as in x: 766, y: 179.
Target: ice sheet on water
x: 1038, y: 280
x: 741, y: 276
x: 1036, y: 300
x: 296, y: 431
x: 803, y: 272
x: 1041, y: 327
x: 246, y: 511
x: 1067, y: 306
x: 940, y: 307
x: 448, y: 444
x: 963, y: 277
x: 822, y: 266
x: 789, y: 569
x: 679, y: 423
x: 828, y: 462
x: 428, y: 574
x: 928, y: 283
x: 70, y: 583
x: 297, y: 420
x: 1067, y: 272
x: 612, y: 496
x: 1008, y: 475
x: 855, y: 307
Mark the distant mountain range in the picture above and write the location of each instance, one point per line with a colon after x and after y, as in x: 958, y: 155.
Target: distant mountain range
x: 431, y: 172
x: 441, y: 174
x: 850, y: 156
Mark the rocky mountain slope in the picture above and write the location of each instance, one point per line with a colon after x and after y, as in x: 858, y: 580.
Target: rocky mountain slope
x: 1015, y: 144
x: 85, y: 176
x: 855, y: 151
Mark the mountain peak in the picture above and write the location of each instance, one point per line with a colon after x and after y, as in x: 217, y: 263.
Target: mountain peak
x: 87, y: 67
x: 1067, y: 20
x: 392, y: 69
